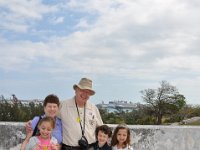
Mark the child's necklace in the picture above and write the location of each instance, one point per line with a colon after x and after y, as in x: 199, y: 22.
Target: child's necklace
x: 45, y: 147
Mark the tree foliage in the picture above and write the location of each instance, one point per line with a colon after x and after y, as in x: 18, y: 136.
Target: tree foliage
x: 18, y: 111
x: 173, y: 110
x: 163, y: 100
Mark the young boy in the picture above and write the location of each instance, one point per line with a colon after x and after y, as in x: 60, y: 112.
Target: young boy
x: 103, y: 133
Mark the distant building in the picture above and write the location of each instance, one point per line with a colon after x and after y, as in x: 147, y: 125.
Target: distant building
x: 35, y: 101
x: 117, y: 106
x: 15, y: 100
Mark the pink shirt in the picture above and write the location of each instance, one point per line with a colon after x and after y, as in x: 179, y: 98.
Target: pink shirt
x: 44, y: 144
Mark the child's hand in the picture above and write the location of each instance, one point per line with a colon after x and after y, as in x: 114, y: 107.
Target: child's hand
x: 28, y: 135
x: 36, y: 147
x: 55, y: 146
x: 28, y: 127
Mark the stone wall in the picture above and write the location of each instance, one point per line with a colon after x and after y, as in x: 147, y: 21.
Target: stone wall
x: 165, y: 137
x: 11, y: 134
x: 144, y: 137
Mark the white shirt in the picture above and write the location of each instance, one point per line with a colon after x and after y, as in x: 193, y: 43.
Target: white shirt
x: 128, y: 147
x: 71, y: 125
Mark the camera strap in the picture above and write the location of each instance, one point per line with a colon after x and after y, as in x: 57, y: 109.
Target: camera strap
x: 82, y: 128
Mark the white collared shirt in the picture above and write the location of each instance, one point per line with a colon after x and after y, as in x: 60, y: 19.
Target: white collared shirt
x: 70, y: 122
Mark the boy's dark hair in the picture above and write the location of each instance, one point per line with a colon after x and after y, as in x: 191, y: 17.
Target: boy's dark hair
x: 105, y: 129
x: 114, y: 140
x: 51, y: 99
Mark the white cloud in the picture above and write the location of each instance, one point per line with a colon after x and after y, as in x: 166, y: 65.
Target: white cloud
x: 125, y: 34
x: 57, y: 20
x: 82, y: 24
x: 189, y: 87
x: 14, y: 27
x: 22, y: 13
x: 140, y: 40
x: 20, y: 55
x: 189, y: 63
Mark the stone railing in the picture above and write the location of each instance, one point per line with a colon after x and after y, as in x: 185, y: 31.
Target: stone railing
x: 11, y: 135
x: 144, y: 137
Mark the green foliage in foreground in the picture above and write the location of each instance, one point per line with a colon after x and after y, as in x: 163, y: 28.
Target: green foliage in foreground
x: 18, y: 111
x: 141, y: 115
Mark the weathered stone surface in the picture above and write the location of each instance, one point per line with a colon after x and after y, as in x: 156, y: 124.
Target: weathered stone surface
x: 11, y: 134
x: 165, y: 137
x: 143, y: 137
x: 191, y: 120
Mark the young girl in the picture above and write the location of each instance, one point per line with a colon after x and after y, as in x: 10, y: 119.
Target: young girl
x: 44, y: 141
x: 121, y: 139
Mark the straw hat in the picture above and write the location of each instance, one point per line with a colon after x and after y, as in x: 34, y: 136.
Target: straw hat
x: 85, y: 84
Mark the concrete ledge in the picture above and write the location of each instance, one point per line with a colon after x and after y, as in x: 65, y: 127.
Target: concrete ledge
x: 11, y: 134
x: 144, y: 137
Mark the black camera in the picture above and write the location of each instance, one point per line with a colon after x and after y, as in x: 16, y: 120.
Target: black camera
x: 83, y: 143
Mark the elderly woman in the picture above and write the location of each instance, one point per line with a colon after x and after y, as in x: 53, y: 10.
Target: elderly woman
x: 51, y: 105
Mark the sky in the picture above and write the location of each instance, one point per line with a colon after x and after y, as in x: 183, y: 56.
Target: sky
x: 124, y: 46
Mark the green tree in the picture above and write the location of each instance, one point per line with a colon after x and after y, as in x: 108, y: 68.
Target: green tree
x: 16, y: 111
x: 111, y: 118
x: 163, y: 100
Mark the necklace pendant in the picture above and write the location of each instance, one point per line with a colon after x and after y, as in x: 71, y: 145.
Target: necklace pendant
x: 78, y: 119
x: 45, y: 147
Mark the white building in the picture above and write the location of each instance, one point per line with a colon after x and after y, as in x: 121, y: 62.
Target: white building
x: 117, y: 106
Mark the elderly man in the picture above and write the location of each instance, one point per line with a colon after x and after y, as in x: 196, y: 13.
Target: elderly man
x: 79, y: 118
